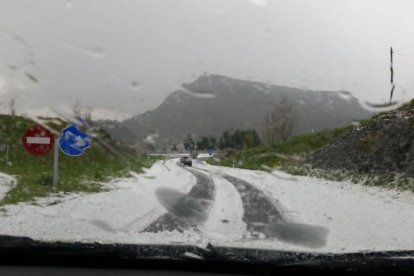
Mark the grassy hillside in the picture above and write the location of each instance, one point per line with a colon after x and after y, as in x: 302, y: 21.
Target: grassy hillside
x: 82, y: 173
x: 378, y: 151
x: 269, y: 156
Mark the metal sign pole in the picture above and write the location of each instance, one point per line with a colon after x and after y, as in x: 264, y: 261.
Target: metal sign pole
x: 392, y: 74
x: 7, y: 154
x: 55, y: 165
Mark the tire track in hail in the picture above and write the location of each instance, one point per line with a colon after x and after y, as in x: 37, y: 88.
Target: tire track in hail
x: 203, y: 191
x: 264, y: 215
x: 258, y: 208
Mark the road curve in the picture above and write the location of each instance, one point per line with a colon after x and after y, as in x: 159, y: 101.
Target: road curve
x: 263, y: 215
x: 203, y: 191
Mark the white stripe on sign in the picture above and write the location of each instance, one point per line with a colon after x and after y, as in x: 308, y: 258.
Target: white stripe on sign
x: 38, y: 140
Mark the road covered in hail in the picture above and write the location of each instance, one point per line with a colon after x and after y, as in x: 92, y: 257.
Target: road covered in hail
x: 171, y: 204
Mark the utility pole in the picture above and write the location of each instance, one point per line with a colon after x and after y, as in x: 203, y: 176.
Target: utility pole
x: 392, y: 73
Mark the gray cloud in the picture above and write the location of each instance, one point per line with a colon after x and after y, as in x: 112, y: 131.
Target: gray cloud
x: 124, y: 57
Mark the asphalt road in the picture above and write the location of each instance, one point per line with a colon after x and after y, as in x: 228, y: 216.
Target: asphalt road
x: 263, y: 216
x: 258, y: 208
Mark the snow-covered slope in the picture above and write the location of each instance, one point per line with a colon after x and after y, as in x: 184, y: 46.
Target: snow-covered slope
x: 358, y: 218
x: 7, y: 182
x: 113, y: 216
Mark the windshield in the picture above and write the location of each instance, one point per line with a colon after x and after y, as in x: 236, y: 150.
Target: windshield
x: 281, y: 125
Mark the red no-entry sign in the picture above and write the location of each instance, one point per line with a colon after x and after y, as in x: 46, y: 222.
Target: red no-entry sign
x: 38, y: 140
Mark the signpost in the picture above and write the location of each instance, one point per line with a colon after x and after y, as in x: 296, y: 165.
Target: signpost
x: 7, y: 153
x: 39, y: 141
x: 5, y: 148
x: 55, y: 166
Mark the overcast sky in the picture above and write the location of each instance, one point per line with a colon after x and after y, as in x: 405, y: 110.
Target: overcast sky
x: 124, y: 57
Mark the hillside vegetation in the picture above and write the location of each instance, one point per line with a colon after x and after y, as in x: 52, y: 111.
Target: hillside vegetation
x: 266, y: 157
x: 82, y: 173
x: 378, y: 151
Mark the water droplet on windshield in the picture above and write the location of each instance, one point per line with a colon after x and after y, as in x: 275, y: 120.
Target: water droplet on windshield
x: 151, y: 139
x: 31, y: 77
x: 380, y: 107
x: 2, y: 82
x: 12, y: 67
x: 266, y: 168
x: 346, y: 95
x: 260, y: 2
x: 356, y: 123
x: 268, y: 32
x: 20, y: 86
x: 69, y: 4
x: 135, y: 85
x: 19, y: 39
x: 198, y: 94
x: 95, y: 52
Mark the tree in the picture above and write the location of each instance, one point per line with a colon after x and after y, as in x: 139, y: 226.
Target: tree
x: 206, y: 142
x: 77, y: 108
x: 239, y: 139
x: 225, y: 140
x: 202, y: 143
x: 251, y: 139
x: 87, y: 114
x: 281, y: 122
x: 81, y: 111
x: 212, y: 141
x: 189, y: 142
x: 12, y: 107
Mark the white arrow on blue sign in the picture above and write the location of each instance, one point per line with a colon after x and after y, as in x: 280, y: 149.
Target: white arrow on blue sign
x: 73, y: 142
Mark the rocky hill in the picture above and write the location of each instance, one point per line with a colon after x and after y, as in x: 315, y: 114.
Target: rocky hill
x: 381, y: 145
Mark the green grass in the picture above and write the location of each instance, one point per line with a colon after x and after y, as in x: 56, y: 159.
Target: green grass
x: 76, y: 174
x: 270, y: 156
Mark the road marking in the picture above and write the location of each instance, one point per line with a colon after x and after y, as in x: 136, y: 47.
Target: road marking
x: 38, y: 140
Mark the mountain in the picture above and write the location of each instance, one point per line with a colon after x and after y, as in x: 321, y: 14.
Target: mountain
x: 213, y: 103
x: 117, y: 130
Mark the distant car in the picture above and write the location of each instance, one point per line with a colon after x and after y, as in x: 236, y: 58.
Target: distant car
x: 186, y: 161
